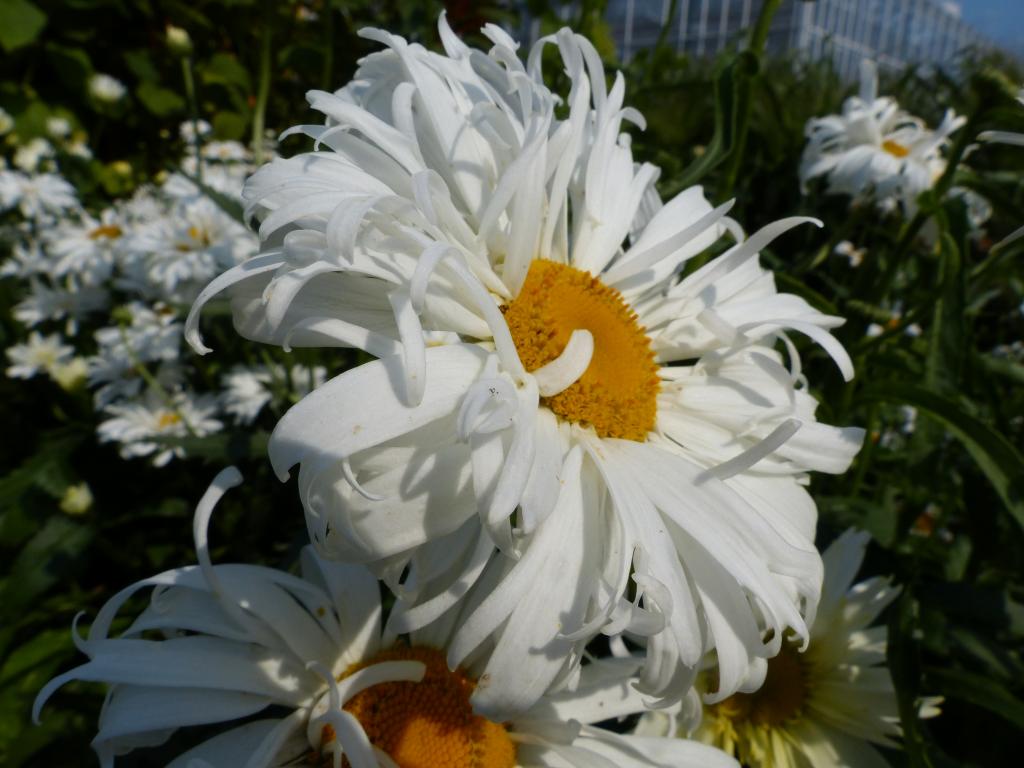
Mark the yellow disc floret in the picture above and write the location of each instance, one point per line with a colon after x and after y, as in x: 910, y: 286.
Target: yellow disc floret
x: 617, y: 394
x: 894, y: 148
x: 429, y: 724
x: 779, y: 699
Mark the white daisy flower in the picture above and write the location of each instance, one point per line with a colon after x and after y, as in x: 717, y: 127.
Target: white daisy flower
x: 224, y: 178
x: 143, y: 427
x: 172, y: 256
x: 106, y: 88
x: 555, y: 412
x: 307, y: 657
x: 37, y: 196
x: 248, y: 389
x: 246, y: 392
x: 58, y: 127
x: 153, y: 335
x: 88, y: 247
x: 225, y: 152
x: 68, y: 301
x: 876, y: 150
x: 40, y: 354
x: 824, y: 707
x: 27, y: 260
x: 187, y: 130
x: 33, y: 153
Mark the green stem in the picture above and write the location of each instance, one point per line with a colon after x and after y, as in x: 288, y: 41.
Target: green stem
x: 193, y: 105
x: 758, y: 39
x: 264, y: 88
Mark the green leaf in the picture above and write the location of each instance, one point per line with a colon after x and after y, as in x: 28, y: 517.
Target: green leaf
x: 944, y: 364
x: 229, y: 125
x: 20, y: 23
x: 995, y: 456
x: 162, y: 102
x: 980, y: 690
x: 902, y: 654
x: 47, y: 558
x: 1000, y: 366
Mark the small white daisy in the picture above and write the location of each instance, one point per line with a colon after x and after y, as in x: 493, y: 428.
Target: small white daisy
x: 106, y: 88
x: 171, y: 257
x: 86, y: 247
x: 304, y: 660
x: 58, y: 127
x: 37, y: 196
x: 248, y: 389
x: 152, y: 335
x: 875, y: 150
x: 40, y: 354
x: 143, y: 427
x: 68, y: 301
x: 33, y: 154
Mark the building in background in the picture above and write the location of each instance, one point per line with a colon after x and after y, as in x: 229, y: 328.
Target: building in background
x: 894, y: 33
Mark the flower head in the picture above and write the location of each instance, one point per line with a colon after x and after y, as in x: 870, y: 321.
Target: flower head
x: 826, y: 706
x: 308, y: 655
x: 875, y: 150
x: 40, y: 354
x: 106, y: 88
x: 563, y: 434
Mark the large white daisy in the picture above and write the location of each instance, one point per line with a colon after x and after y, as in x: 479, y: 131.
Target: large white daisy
x: 876, y: 150
x: 827, y: 706
x: 223, y: 643
x: 555, y: 408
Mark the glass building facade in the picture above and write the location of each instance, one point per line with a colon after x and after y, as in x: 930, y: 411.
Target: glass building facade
x: 894, y: 33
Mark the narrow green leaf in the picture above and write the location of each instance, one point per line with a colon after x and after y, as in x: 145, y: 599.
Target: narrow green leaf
x: 946, y: 346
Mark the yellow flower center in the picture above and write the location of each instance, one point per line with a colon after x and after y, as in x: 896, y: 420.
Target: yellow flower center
x: 199, y: 237
x: 429, y: 724
x: 894, y: 148
x: 780, y: 698
x: 109, y: 231
x: 617, y: 394
x: 168, y: 419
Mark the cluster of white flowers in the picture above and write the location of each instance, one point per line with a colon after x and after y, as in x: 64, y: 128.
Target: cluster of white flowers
x: 137, y: 263
x: 567, y: 431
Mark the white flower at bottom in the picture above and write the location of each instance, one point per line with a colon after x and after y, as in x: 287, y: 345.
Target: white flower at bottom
x: 238, y: 639
x: 825, y: 707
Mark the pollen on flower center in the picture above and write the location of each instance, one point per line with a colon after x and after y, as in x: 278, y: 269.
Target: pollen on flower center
x: 780, y: 698
x: 429, y: 724
x: 168, y: 419
x: 894, y: 148
x: 617, y: 394
x: 109, y: 231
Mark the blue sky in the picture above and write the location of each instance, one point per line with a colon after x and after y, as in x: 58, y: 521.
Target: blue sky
x: 999, y: 20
